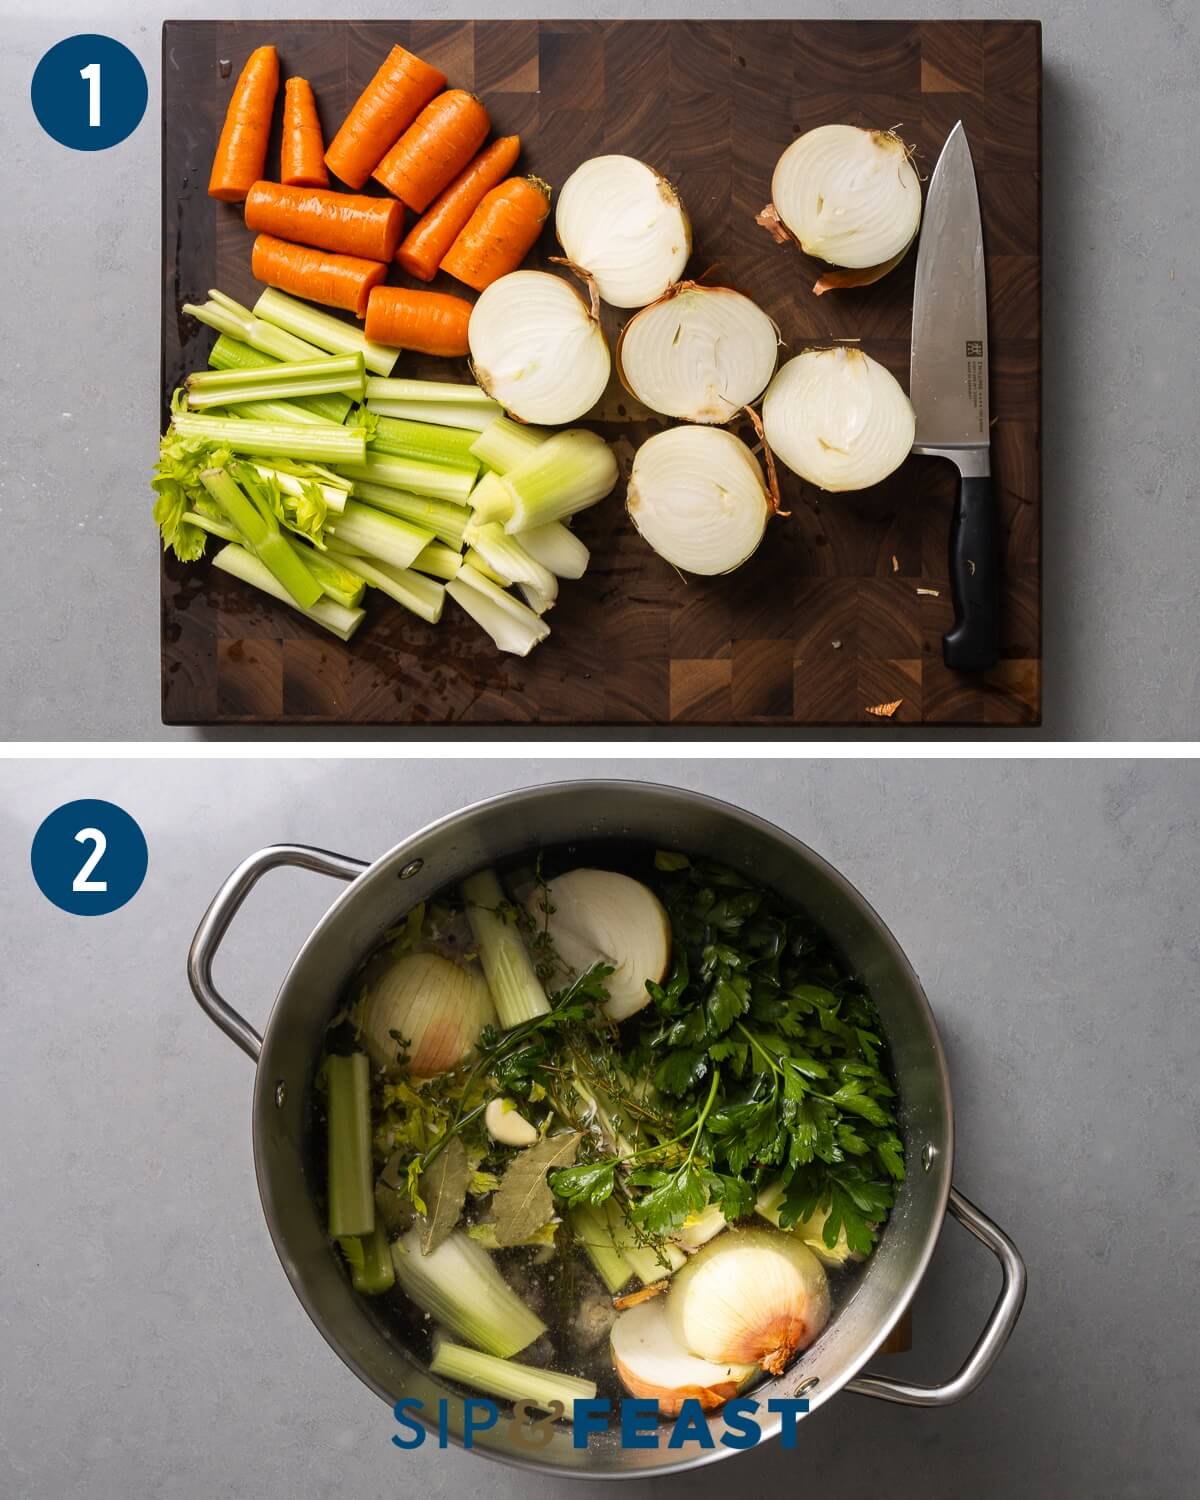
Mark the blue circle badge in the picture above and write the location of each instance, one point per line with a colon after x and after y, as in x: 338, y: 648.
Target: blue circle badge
x: 89, y: 92
x: 89, y: 857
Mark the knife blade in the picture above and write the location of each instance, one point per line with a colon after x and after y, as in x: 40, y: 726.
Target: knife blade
x: 948, y: 386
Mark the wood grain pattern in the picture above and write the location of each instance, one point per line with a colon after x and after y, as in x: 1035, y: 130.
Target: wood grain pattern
x: 845, y: 607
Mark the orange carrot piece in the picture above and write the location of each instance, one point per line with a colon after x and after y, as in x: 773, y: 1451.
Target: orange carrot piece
x: 302, y: 153
x: 434, y: 149
x: 388, y: 105
x: 429, y: 322
x: 346, y: 223
x: 333, y: 280
x: 500, y: 233
x: 429, y: 239
x: 242, y: 148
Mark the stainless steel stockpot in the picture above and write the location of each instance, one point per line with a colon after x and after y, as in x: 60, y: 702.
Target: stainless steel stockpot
x: 517, y: 823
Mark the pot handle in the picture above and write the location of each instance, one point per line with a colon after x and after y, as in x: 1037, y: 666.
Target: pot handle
x: 224, y: 907
x: 996, y: 1331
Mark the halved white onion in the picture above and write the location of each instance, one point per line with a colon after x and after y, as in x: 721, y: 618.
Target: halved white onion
x: 436, y: 1006
x: 838, y: 419
x: 697, y: 496
x: 749, y: 1295
x: 650, y: 1362
x: 698, y: 1229
x: 700, y: 353
x: 537, y: 348
x: 623, y: 224
x: 601, y: 916
x: 848, y: 196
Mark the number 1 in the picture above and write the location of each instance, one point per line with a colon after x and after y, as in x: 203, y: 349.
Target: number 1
x: 92, y: 74
x: 83, y: 881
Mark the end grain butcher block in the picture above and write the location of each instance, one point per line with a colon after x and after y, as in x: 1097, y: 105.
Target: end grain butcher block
x: 840, y: 614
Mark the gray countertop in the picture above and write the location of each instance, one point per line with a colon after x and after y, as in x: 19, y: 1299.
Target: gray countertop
x: 150, y: 1345
x: 79, y: 377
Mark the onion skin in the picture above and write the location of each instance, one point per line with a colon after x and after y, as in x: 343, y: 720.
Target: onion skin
x: 670, y: 1402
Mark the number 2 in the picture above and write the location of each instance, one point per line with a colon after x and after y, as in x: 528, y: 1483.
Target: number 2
x: 92, y: 74
x: 83, y: 881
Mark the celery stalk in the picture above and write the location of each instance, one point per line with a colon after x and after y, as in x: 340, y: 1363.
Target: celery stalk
x: 338, y: 577
x: 556, y: 547
x: 512, y: 626
x: 231, y: 354
x: 335, y: 491
x: 507, y: 966
x: 644, y: 1260
x: 389, y: 538
x: 473, y: 418
x: 424, y: 440
x: 439, y: 561
x: 446, y: 520
x: 260, y: 531
x: 333, y: 374
x: 593, y: 1233
x: 569, y: 472
x: 275, y: 411
x: 331, y: 616
x: 504, y: 443
x: 438, y: 480
x: 230, y: 317
x: 351, y: 1181
x: 509, y: 561
x: 458, y: 1284
x: 325, y: 444
x: 323, y: 329
x: 508, y: 1379
x: 443, y: 392
x: 490, y: 500
x: 413, y: 590
x: 473, y: 559
x: 210, y: 524
x: 369, y: 1257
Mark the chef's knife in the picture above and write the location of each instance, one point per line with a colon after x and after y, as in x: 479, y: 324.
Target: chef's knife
x: 948, y: 384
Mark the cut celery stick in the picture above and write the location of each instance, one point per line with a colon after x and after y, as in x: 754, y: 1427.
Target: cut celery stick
x: 210, y: 524
x: 504, y: 443
x: 260, y: 532
x: 370, y: 1259
x: 512, y: 626
x: 469, y: 418
x: 323, y: 329
x: 227, y: 316
x: 275, y: 411
x: 569, y: 472
x: 458, y: 1284
x: 439, y: 561
x: 444, y: 392
x: 389, y: 538
x: 234, y: 559
x: 490, y: 500
x: 446, y: 520
x: 438, y: 480
x: 330, y: 375
x: 231, y: 354
x: 338, y: 577
x: 411, y: 589
x: 556, y: 547
x: 507, y: 966
x: 326, y: 444
x: 545, y: 1389
x: 593, y: 1232
x: 351, y: 1184
x: 479, y: 563
x: 506, y: 558
x: 334, y: 495
x: 424, y: 440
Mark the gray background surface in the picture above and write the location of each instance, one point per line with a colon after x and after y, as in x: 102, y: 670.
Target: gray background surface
x: 150, y: 1345
x: 79, y: 374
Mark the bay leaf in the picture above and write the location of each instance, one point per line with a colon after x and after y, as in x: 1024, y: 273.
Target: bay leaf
x: 523, y: 1202
x: 444, y: 1189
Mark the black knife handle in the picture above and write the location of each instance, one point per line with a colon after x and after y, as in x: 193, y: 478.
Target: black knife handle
x: 973, y: 645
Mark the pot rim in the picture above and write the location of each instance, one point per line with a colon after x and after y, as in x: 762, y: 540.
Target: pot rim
x: 262, y: 1095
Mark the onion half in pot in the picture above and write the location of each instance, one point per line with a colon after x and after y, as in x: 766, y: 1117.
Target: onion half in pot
x: 848, y: 196
x: 750, y: 1296
x: 537, y: 348
x: 438, y: 1007
x: 650, y: 1362
x: 698, y: 497
x: 700, y: 353
x: 623, y: 225
x: 837, y: 418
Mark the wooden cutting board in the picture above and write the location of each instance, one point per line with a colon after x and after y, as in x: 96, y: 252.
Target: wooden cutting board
x: 844, y: 606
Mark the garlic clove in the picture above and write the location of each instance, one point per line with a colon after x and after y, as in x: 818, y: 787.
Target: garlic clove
x: 507, y: 1125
